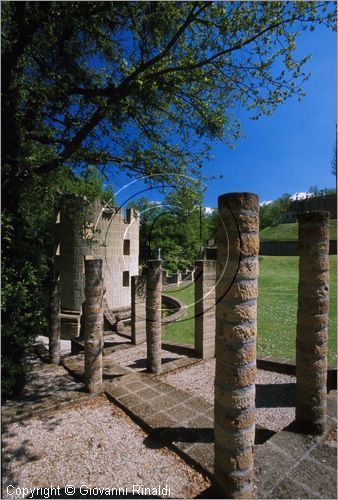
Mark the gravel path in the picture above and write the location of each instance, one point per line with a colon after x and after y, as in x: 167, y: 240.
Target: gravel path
x: 135, y: 358
x: 274, y: 392
x: 95, y: 445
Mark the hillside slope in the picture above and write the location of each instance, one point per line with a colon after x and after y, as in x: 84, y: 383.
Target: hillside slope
x: 289, y: 232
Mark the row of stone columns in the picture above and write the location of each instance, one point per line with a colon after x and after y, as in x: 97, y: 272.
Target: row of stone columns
x: 146, y: 319
x: 236, y: 330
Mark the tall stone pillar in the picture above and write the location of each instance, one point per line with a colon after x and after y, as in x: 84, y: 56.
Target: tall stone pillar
x: 205, y: 309
x: 312, y: 321
x: 138, y: 309
x: 54, y: 322
x: 93, y: 325
x: 236, y: 329
x: 153, y: 315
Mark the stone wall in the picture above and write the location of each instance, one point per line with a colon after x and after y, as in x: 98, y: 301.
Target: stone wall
x: 327, y: 202
x: 120, y: 261
x: 287, y: 248
x: 113, y: 236
x: 205, y: 308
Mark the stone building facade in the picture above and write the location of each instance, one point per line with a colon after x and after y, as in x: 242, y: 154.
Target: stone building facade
x: 113, y: 236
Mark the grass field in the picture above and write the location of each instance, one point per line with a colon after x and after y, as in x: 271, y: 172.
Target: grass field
x: 277, y: 309
x: 287, y: 232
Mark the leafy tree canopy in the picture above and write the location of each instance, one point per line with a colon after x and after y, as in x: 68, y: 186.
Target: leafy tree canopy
x: 142, y: 85
x: 177, y: 227
x: 271, y: 214
x: 138, y: 86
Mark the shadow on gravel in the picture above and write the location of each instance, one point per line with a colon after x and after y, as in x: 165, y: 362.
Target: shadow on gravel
x: 170, y: 435
x: 275, y: 395
x: 142, y: 363
x: 179, y: 349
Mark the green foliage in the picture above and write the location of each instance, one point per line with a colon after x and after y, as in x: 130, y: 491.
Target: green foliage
x: 178, y: 226
x: 144, y: 85
x: 139, y: 86
x: 27, y: 249
x: 271, y: 214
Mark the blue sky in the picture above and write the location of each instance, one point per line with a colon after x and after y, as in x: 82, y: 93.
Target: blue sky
x: 283, y: 153
x: 292, y: 149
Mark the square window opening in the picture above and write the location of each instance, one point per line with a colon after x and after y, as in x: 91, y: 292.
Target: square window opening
x: 125, y: 278
x: 126, y: 247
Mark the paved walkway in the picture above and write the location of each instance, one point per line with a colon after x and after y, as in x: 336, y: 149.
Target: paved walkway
x: 288, y: 465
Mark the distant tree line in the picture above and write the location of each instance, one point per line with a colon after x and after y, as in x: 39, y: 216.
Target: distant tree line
x: 270, y: 215
x: 178, y: 226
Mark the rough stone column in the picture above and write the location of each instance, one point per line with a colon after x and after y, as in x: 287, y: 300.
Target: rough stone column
x: 205, y: 310
x: 312, y: 321
x: 153, y: 315
x: 236, y: 329
x: 54, y: 322
x: 138, y: 309
x: 93, y: 325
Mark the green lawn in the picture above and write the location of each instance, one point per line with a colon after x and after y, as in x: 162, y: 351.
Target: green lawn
x: 277, y: 308
x: 287, y: 232
x: 183, y: 330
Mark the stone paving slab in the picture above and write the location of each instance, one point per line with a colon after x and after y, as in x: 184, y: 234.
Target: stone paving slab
x: 185, y: 423
x: 288, y: 465
x: 293, y: 465
x: 169, y: 415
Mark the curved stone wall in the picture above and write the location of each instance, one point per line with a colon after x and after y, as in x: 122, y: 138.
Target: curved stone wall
x: 173, y: 303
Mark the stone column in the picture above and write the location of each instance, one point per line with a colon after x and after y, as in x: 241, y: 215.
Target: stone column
x: 205, y: 308
x: 236, y: 329
x: 54, y: 323
x: 312, y: 321
x: 93, y: 325
x: 138, y: 309
x: 153, y: 315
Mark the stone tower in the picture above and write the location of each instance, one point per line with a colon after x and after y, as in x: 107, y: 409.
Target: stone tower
x: 111, y: 235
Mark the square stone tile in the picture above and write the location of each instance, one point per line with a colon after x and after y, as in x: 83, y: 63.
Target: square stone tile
x: 201, y: 422
x: 271, y: 465
x: 160, y: 420
x: 292, y: 489
x: 203, y: 454
x: 317, y: 477
x: 130, y: 401
x: 144, y: 411
x: 160, y: 386
x: 199, y: 405
x: 116, y: 391
x: 136, y: 386
x: 163, y: 403
x: 147, y: 393
x: 182, y: 414
x: 326, y: 455
x: 293, y: 443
